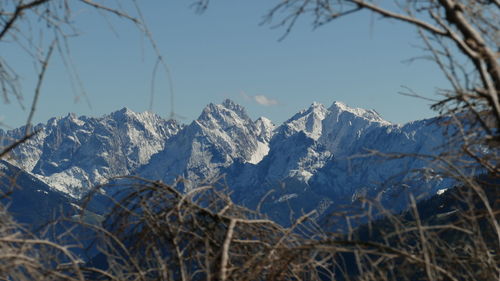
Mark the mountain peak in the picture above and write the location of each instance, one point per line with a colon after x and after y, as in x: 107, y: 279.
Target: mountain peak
x: 125, y: 111
x: 127, y: 114
x: 371, y: 115
x: 316, y: 109
x: 122, y: 114
x: 265, y: 120
x: 70, y: 118
x: 226, y: 113
x: 316, y: 104
x: 231, y: 105
x: 265, y: 128
x: 71, y: 115
x: 307, y: 120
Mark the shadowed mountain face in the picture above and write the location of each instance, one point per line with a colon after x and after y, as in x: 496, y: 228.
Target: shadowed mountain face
x: 29, y: 200
x: 315, y: 160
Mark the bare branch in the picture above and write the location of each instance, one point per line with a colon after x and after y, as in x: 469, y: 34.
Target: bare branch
x: 41, y: 76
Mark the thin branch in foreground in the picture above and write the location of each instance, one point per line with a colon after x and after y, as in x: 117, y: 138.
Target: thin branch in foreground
x: 41, y: 76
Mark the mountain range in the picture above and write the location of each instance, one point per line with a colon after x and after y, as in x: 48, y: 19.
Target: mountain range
x: 320, y: 158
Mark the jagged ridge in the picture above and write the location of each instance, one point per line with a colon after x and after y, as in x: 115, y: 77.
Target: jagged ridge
x: 307, y: 160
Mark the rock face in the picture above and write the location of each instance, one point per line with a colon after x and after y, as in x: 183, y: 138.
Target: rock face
x: 318, y: 158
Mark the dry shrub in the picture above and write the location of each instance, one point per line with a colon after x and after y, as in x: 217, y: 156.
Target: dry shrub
x: 157, y: 233
x: 24, y: 256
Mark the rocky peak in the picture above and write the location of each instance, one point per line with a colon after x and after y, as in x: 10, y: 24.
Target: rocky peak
x: 231, y: 105
x: 308, y: 121
x: 339, y: 108
x: 127, y: 114
x: 224, y: 116
x: 344, y: 125
x: 123, y: 111
x: 265, y: 128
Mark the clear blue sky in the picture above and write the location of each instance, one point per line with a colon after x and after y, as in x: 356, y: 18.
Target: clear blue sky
x: 225, y: 53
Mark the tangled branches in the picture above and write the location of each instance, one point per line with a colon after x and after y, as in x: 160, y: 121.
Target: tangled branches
x: 156, y: 233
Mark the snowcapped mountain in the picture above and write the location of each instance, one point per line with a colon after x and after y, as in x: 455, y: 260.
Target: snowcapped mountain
x: 73, y: 154
x: 321, y: 158
x: 318, y: 158
x: 316, y: 136
x: 222, y: 135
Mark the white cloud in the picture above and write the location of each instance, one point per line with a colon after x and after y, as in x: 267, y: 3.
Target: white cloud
x: 260, y: 99
x: 265, y: 101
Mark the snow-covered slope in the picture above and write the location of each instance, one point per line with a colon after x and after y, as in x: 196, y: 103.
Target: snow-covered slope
x: 220, y: 137
x: 73, y: 154
x: 315, y: 136
x: 321, y: 158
